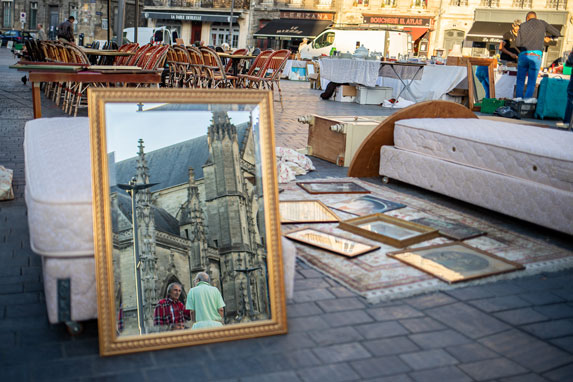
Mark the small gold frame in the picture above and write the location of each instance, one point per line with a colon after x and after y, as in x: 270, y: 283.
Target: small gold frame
x: 323, y: 241
x: 306, y: 211
x: 412, y: 232
x: 109, y: 341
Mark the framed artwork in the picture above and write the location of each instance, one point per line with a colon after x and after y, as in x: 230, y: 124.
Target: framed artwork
x: 452, y: 230
x: 396, y: 232
x: 332, y: 188
x: 455, y: 262
x: 330, y: 242
x: 185, y: 185
x: 306, y: 211
x: 366, y: 205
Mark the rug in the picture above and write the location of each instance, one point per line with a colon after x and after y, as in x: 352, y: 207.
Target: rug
x: 378, y: 277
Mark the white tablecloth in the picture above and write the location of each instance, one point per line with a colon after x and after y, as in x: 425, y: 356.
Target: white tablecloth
x: 348, y: 70
x: 437, y: 80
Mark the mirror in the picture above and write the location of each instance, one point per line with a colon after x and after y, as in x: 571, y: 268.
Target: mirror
x: 198, y: 169
x: 481, y: 80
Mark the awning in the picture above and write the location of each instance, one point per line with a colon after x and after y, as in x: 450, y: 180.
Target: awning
x: 490, y: 31
x: 196, y: 16
x: 416, y: 33
x: 293, y: 28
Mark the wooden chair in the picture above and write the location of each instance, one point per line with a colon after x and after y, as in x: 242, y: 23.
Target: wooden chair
x: 215, y: 70
x: 271, y: 73
x: 241, y: 63
x: 197, y: 76
x: 255, y: 69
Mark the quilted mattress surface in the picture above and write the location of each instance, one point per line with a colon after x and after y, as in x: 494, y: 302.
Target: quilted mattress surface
x: 523, y: 199
x: 527, y: 152
x: 58, y: 186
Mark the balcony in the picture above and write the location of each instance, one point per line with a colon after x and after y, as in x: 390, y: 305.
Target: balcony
x: 324, y: 4
x: 522, y: 4
x: 489, y: 3
x: 388, y: 4
x: 556, y: 4
x: 459, y: 3
x: 419, y: 4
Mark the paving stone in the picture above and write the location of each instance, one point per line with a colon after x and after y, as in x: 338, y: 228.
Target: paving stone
x: 394, y: 313
x: 470, y: 293
x: 430, y: 300
x: 562, y: 374
x: 378, y: 367
x: 286, y: 343
x: 492, y: 368
x: 312, y: 295
x: 302, y: 310
x: 527, y: 350
x: 61, y: 369
x: 550, y: 329
x: 497, y: 304
x: 347, y: 318
x: 335, y: 336
x: 14, y: 374
x: 341, y: 292
x: 299, y: 359
x: 524, y: 378
x: 565, y: 293
x: 542, y: 298
x: 311, y: 273
x: 390, y: 346
x: 314, y: 283
x: 520, y: 316
x: 81, y: 347
x: 136, y: 375
x: 303, y: 324
x: 439, y: 339
x: 467, y: 320
x: 37, y: 353
x: 419, y: 325
x: 281, y: 376
x: 393, y: 378
x: 448, y: 373
x: 331, y: 373
x: 470, y: 352
x: 25, y: 310
x: 341, y: 353
x: 341, y: 304
x: 565, y: 343
x: 243, y: 367
x: 555, y: 311
x: 381, y: 330
x: 428, y: 359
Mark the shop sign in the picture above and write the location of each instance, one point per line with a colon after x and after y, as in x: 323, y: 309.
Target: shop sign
x: 424, y: 22
x: 290, y: 31
x: 187, y: 17
x: 306, y: 15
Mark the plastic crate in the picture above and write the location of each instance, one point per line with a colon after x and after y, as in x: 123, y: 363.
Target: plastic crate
x: 524, y: 110
x: 566, y: 70
x: 489, y: 105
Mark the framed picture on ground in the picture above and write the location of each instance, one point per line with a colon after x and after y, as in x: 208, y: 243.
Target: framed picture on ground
x: 306, y: 211
x: 455, y: 262
x: 450, y: 229
x: 332, y: 188
x: 366, y: 205
x: 396, y: 232
x: 330, y: 242
x: 185, y: 194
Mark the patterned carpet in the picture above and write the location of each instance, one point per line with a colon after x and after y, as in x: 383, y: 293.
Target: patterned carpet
x: 377, y: 277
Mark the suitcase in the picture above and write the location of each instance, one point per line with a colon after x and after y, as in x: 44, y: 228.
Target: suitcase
x: 552, y: 98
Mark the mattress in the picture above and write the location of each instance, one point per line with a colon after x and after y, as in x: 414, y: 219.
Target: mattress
x: 82, y: 287
x: 527, y: 152
x: 523, y: 199
x: 58, y: 186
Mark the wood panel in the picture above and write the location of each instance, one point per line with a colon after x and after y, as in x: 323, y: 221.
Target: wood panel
x: 366, y: 161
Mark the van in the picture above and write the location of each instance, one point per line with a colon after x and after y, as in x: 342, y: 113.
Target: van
x: 389, y: 43
x: 145, y: 35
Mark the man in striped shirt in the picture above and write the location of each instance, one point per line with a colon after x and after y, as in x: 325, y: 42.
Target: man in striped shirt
x: 170, y: 313
x: 531, y: 42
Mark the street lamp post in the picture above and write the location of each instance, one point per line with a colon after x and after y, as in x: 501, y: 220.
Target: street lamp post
x: 132, y: 188
x: 231, y: 25
x: 247, y: 272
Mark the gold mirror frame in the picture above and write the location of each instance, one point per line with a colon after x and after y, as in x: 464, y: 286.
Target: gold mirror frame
x: 109, y: 341
x: 491, y: 63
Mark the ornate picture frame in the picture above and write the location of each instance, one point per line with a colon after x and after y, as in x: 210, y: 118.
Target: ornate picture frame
x: 330, y: 242
x: 455, y: 262
x: 332, y: 188
x: 387, y: 229
x: 306, y: 211
x: 238, y: 135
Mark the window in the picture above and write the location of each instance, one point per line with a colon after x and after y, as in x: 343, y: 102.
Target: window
x: 33, y: 16
x: 419, y: 4
x: 522, y: 4
x: 361, y: 3
x: 459, y: 3
x: 74, y: 12
x: 323, y: 40
x: 6, y: 14
x: 556, y: 4
x: 388, y: 4
x: 220, y: 35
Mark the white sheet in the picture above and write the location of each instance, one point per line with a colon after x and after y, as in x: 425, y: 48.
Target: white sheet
x: 530, y: 201
x: 528, y: 152
x: 342, y: 70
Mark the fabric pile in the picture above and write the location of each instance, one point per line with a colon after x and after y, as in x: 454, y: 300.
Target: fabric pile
x: 291, y: 163
x: 6, y: 192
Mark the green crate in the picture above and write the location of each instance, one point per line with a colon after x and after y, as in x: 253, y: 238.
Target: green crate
x: 566, y: 70
x: 490, y: 105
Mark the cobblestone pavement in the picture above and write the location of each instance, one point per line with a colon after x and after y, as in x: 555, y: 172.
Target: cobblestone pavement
x: 518, y: 330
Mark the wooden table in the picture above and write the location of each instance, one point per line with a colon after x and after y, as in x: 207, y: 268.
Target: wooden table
x: 402, y: 75
x: 235, y: 59
x: 37, y: 77
x: 103, y: 52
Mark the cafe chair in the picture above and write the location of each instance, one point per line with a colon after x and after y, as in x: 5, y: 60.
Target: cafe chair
x: 215, y: 71
x: 255, y: 69
x: 196, y: 76
x: 239, y: 65
x: 178, y: 62
x: 128, y: 48
x: 271, y: 74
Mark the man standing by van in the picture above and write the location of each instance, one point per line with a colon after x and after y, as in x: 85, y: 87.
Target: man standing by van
x: 66, y: 30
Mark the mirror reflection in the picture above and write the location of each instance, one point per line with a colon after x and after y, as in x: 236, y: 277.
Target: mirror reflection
x: 189, y: 241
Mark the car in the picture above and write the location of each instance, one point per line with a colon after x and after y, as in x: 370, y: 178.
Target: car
x: 16, y: 36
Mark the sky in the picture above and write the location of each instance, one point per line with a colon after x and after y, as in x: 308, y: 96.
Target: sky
x: 125, y: 126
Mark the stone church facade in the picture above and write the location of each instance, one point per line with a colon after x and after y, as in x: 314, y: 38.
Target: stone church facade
x: 212, y: 223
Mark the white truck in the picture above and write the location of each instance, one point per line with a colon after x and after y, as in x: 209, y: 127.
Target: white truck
x: 389, y: 43
x: 145, y: 35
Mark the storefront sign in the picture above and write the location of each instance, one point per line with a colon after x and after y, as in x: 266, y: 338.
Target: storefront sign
x: 423, y: 22
x: 306, y: 15
x: 188, y: 17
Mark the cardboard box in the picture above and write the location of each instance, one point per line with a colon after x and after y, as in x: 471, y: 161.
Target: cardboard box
x: 345, y: 93
x: 373, y: 96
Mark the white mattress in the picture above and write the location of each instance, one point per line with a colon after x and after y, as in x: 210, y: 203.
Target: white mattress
x: 528, y: 152
x: 530, y: 201
x: 58, y: 186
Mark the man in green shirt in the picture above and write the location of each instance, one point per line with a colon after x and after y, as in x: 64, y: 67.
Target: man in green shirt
x: 205, y: 303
